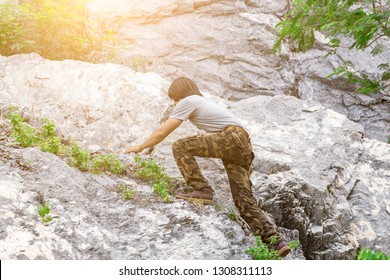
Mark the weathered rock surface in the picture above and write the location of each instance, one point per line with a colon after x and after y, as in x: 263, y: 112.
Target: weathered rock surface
x: 318, y: 174
x: 91, y: 220
x: 226, y: 46
x: 315, y: 173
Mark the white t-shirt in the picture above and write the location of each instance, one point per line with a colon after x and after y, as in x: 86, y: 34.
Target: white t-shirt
x: 203, y: 113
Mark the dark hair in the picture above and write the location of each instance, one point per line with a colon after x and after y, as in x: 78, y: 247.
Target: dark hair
x: 181, y: 88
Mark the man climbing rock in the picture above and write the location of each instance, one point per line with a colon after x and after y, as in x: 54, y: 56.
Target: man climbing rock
x: 225, y: 139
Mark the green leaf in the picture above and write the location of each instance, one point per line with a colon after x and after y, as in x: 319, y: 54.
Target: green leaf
x: 360, y: 22
x: 369, y: 254
x: 383, y: 66
x: 334, y: 42
x: 378, y: 49
x: 386, y: 76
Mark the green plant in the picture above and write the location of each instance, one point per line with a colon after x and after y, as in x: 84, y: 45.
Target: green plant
x: 148, y: 169
x: 294, y: 244
x: 77, y: 157
x: 161, y: 189
x: 46, y: 139
x: 44, y: 212
x: 107, y: 163
x: 28, y: 136
x: 262, y: 252
x: 13, y: 35
x: 369, y: 254
x: 49, y: 142
x: 151, y: 171
x: 365, y: 85
x: 23, y: 133
x: 55, y: 29
x: 232, y: 214
x: 362, y: 23
x: 126, y: 192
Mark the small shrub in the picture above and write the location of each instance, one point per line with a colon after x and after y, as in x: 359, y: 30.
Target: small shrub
x: 78, y: 158
x: 126, y: 192
x: 151, y: 171
x: 262, y: 252
x: 49, y: 142
x: 28, y: 136
x: 107, y: 163
x: 294, y: 244
x: 148, y: 169
x: 44, y: 212
x: 45, y: 138
x: 161, y: 189
x: 368, y: 254
x: 22, y: 132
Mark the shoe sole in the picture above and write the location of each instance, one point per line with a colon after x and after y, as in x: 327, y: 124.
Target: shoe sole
x: 195, y: 199
x: 284, y: 251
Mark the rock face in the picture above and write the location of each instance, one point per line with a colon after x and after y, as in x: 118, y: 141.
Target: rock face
x: 226, y: 46
x: 91, y: 220
x: 314, y: 172
x: 317, y: 174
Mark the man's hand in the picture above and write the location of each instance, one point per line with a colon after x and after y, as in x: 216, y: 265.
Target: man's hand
x: 157, y: 136
x: 134, y: 149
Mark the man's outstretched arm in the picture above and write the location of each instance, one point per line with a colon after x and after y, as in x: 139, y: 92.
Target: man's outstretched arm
x: 157, y: 136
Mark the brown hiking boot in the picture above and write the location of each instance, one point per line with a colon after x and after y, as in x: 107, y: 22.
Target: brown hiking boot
x: 204, y: 196
x: 283, y: 249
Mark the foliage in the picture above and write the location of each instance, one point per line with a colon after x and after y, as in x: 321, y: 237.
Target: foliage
x: 49, y: 142
x: 44, y: 212
x: 126, y: 192
x: 46, y: 139
x: 364, y: 22
x: 262, y: 252
x: 13, y: 35
x: 77, y: 157
x: 28, y: 136
x: 23, y: 133
x: 294, y: 244
x: 368, y: 254
x: 151, y: 171
x: 232, y: 214
x: 55, y: 29
x: 107, y: 163
x: 365, y: 84
x: 161, y: 188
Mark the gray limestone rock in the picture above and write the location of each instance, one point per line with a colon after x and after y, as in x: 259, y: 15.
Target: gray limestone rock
x: 226, y: 47
x: 315, y: 173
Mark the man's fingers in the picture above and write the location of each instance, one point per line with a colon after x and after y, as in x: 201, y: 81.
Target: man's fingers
x: 135, y: 150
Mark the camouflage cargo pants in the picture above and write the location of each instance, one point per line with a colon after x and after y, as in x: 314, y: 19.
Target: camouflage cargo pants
x: 233, y: 146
